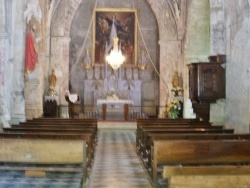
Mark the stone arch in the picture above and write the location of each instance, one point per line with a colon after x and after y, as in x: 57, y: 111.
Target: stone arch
x: 168, y: 42
x: 70, y: 16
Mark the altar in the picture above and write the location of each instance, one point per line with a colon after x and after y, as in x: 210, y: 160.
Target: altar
x: 114, y: 104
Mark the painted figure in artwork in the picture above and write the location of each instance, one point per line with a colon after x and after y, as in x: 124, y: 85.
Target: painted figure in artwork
x: 129, y: 53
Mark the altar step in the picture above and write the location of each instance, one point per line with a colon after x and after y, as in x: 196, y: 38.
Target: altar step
x: 116, y: 125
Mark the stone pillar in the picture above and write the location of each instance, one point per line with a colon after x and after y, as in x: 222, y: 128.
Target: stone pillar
x: 17, y: 76
x: 217, y: 28
x: 60, y: 60
x: 33, y: 93
x: 168, y: 64
x: 3, y: 35
x: 217, y: 46
x: 4, y: 115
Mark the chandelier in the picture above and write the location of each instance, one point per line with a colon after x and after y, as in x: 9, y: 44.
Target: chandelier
x: 115, y: 58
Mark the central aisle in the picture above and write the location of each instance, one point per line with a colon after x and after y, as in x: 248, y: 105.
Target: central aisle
x: 116, y: 163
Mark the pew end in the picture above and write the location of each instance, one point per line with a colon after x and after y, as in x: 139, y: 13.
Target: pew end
x: 209, y: 181
x: 29, y: 156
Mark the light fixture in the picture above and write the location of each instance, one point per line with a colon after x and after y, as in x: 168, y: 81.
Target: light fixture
x: 115, y: 58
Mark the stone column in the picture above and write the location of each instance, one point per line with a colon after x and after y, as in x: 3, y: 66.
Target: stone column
x: 4, y: 115
x: 217, y: 28
x: 60, y: 60
x: 3, y: 35
x: 218, y: 46
x: 168, y: 64
x: 17, y: 76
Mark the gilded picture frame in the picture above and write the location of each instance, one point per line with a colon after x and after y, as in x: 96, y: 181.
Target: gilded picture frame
x: 125, y: 21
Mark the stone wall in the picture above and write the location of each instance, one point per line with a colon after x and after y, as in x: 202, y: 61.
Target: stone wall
x: 197, y: 43
x: 217, y: 46
x: 18, y: 107
x: 197, y: 47
x: 237, y: 40
x: 11, y: 67
x: 230, y: 28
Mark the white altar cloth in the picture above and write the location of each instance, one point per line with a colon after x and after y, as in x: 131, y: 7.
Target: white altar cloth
x: 114, y: 102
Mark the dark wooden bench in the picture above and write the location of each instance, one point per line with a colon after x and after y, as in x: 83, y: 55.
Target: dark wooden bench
x: 143, y: 138
x: 59, y: 121
x: 76, y: 137
x: 185, y: 136
x: 63, y: 119
x: 51, y: 127
x: 153, y: 120
x: 202, y: 152
x: 139, y: 130
x: 40, y: 152
x: 226, y: 176
x: 90, y: 142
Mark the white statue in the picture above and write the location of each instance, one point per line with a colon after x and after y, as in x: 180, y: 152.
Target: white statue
x: 33, y: 9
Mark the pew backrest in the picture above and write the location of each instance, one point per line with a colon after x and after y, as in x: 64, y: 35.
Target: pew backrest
x: 195, y: 152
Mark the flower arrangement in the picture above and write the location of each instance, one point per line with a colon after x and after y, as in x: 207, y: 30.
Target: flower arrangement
x: 173, y: 109
x: 177, y: 91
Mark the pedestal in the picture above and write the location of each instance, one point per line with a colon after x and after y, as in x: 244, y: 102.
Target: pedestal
x: 70, y: 106
x: 50, y: 106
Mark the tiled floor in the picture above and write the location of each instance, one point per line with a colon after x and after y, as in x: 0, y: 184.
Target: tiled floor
x: 116, y: 164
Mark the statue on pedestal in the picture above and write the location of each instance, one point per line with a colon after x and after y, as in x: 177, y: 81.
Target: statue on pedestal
x: 52, y: 83
x: 175, y: 80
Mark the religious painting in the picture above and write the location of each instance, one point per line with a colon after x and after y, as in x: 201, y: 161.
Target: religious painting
x: 115, y: 22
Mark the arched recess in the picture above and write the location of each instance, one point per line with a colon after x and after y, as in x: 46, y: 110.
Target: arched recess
x: 171, y: 19
x: 168, y: 55
x: 62, y: 13
x: 93, y: 86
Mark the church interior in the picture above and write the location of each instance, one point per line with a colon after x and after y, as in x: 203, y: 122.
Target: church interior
x: 132, y: 93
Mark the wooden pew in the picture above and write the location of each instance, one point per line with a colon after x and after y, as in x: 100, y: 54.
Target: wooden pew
x: 139, y: 130
x: 59, y: 125
x: 158, y: 120
x: 59, y: 121
x: 143, y: 138
x: 63, y: 119
x: 185, y: 136
x: 49, y: 127
x: 58, y: 131
x: 145, y: 145
x: 46, y: 152
x: 226, y: 176
x: 199, y: 152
